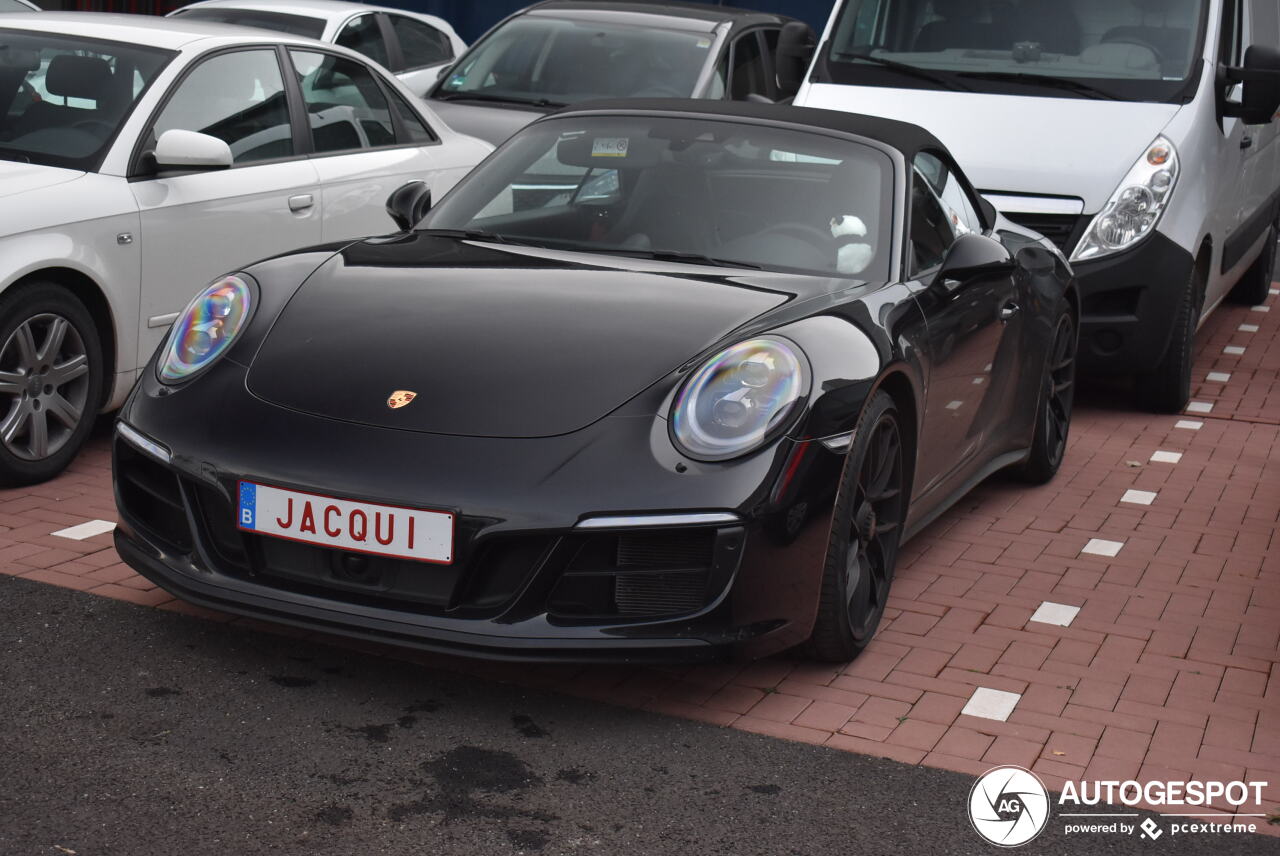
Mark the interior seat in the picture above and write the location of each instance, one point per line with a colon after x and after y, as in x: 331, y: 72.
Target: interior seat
x: 1173, y: 43
x: 68, y: 76
x: 1051, y: 23
x: 960, y: 28
x: 670, y: 209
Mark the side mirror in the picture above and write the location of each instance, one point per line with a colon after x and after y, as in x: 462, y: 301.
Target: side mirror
x: 179, y: 149
x: 972, y: 255
x: 796, y: 45
x: 409, y: 203
x: 1260, y: 79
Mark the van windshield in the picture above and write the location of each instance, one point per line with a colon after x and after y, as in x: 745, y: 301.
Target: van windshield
x: 1132, y: 50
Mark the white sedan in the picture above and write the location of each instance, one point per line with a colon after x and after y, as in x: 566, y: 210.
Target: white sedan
x: 414, y: 46
x: 142, y: 157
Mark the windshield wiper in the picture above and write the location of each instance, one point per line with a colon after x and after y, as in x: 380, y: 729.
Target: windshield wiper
x: 468, y: 234
x: 501, y: 99
x: 906, y: 68
x: 1048, y: 80
x: 676, y: 256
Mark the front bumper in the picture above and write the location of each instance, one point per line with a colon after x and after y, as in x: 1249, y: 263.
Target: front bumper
x: 1129, y: 302
x: 527, y: 581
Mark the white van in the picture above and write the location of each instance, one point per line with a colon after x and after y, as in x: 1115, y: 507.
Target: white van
x: 1136, y: 134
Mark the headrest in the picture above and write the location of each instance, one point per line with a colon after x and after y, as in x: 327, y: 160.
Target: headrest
x: 957, y: 10
x: 609, y: 152
x: 19, y: 59
x: 72, y: 76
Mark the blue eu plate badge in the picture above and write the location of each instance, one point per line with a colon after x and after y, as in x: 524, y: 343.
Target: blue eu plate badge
x: 248, y: 505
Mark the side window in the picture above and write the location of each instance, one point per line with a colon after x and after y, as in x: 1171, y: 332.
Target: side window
x: 363, y: 35
x: 416, y: 131
x: 420, y: 44
x: 956, y: 201
x: 345, y: 106
x: 931, y: 231
x: 747, y: 75
x: 237, y: 97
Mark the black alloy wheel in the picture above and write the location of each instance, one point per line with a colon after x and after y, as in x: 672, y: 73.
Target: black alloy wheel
x: 1057, y: 397
x: 867, y: 526
x: 50, y: 381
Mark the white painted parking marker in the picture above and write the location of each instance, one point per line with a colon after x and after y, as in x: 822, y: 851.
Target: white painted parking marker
x: 1275, y: 290
x: 1218, y: 377
x: 1163, y: 457
x: 86, y: 530
x: 977, y: 381
x: 1233, y: 349
x: 955, y: 405
x: 991, y: 704
x: 1056, y: 613
x: 1139, y: 497
x: 1189, y: 424
x: 1102, y: 547
x: 1248, y: 328
x: 1259, y: 308
x: 1200, y: 407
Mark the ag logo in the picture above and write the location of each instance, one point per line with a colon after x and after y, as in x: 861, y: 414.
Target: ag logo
x: 400, y: 398
x: 1008, y: 806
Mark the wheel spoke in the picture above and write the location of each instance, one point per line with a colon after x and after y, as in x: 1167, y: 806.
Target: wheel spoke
x: 887, y: 493
x: 40, y: 434
x: 27, y: 355
x: 66, y: 412
x: 13, y: 424
x: 68, y: 371
x: 54, y: 339
x: 12, y: 383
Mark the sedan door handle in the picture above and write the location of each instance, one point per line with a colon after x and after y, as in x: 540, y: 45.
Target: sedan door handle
x: 1246, y: 141
x: 1008, y: 311
x: 301, y: 202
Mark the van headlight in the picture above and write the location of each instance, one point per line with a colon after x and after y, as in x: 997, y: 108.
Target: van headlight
x: 1134, y: 209
x: 206, y: 329
x: 740, y: 399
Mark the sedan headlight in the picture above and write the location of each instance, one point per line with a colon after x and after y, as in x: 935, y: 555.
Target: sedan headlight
x: 207, y: 327
x: 1135, y: 208
x: 740, y: 399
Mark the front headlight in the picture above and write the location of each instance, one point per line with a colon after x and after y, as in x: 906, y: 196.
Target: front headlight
x: 1135, y: 208
x: 207, y: 327
x: 740, y: 399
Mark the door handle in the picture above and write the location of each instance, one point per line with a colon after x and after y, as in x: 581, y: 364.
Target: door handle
x: 1246, y: 141
x: 301, y: 202
x: 1009, y: 310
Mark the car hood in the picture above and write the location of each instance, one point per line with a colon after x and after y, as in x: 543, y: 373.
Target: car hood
x: 1019, y: 144
x: 492, y: 123
x: 17, y: 178
x: 494, y: 342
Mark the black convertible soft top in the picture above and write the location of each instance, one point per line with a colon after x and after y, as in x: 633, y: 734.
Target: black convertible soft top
x: 903, y: 136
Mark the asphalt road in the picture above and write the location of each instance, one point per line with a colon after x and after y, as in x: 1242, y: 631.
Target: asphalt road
x: 133, y: 731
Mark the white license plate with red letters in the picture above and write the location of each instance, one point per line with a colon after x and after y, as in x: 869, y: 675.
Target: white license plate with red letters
x: 360, y: 527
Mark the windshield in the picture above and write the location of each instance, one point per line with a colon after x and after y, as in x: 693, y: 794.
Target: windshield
x: 1138, y: 50
x: 14, y: 6
x: 66, y: 98
x: 539, y: 60
x: 699, y: 190
x: 296, y: 25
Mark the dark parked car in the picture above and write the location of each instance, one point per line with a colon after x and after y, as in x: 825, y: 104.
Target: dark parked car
x: 690, y: 408
x: 569, y: 51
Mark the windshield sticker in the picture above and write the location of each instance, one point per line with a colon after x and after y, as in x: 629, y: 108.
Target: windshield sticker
x: 610, y: 147
x: 704, y: 43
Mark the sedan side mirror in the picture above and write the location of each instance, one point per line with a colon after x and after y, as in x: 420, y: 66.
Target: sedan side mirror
x: 970, y: 256
x: 179, y: 149
x: 409, y: 203
x: 796, y: 44
x: 1260, y: 79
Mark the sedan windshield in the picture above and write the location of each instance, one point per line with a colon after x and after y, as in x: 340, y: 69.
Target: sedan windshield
x: 1138, y: 50
x: 64, y: 98
x: 14, y: 6
x: 702, y: 191
x: 540, y: 60
x: 281, y: 22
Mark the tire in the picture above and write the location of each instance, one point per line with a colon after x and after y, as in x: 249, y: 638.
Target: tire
x: 1168, y: 388
x: 866, y: 525
x: 51, y: 376
x: 1053, y: 414
x: 1255, y: 286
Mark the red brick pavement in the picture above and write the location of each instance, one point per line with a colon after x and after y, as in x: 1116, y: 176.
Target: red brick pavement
x: 1169, y: 670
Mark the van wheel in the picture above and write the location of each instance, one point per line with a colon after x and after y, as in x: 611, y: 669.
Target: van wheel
x: 50, y: 381
x: 1255, y: 286
x: 1168, y: 388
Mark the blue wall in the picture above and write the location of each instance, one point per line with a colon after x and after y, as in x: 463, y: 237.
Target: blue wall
x: 472, y: 17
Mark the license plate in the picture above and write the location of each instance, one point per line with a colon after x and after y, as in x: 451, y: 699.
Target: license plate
x: 360, y: 527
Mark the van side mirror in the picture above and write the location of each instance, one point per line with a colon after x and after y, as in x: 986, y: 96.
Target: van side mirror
x: 796, y: 45
x: 179, y: 149
x: 409, y: 203
x: 1260, y: 79
x: 970, y: 256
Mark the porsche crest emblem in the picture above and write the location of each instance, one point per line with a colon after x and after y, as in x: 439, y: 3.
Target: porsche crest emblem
x: 400, y: 398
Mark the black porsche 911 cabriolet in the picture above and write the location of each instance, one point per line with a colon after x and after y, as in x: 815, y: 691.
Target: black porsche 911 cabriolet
x: 658, y: 380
